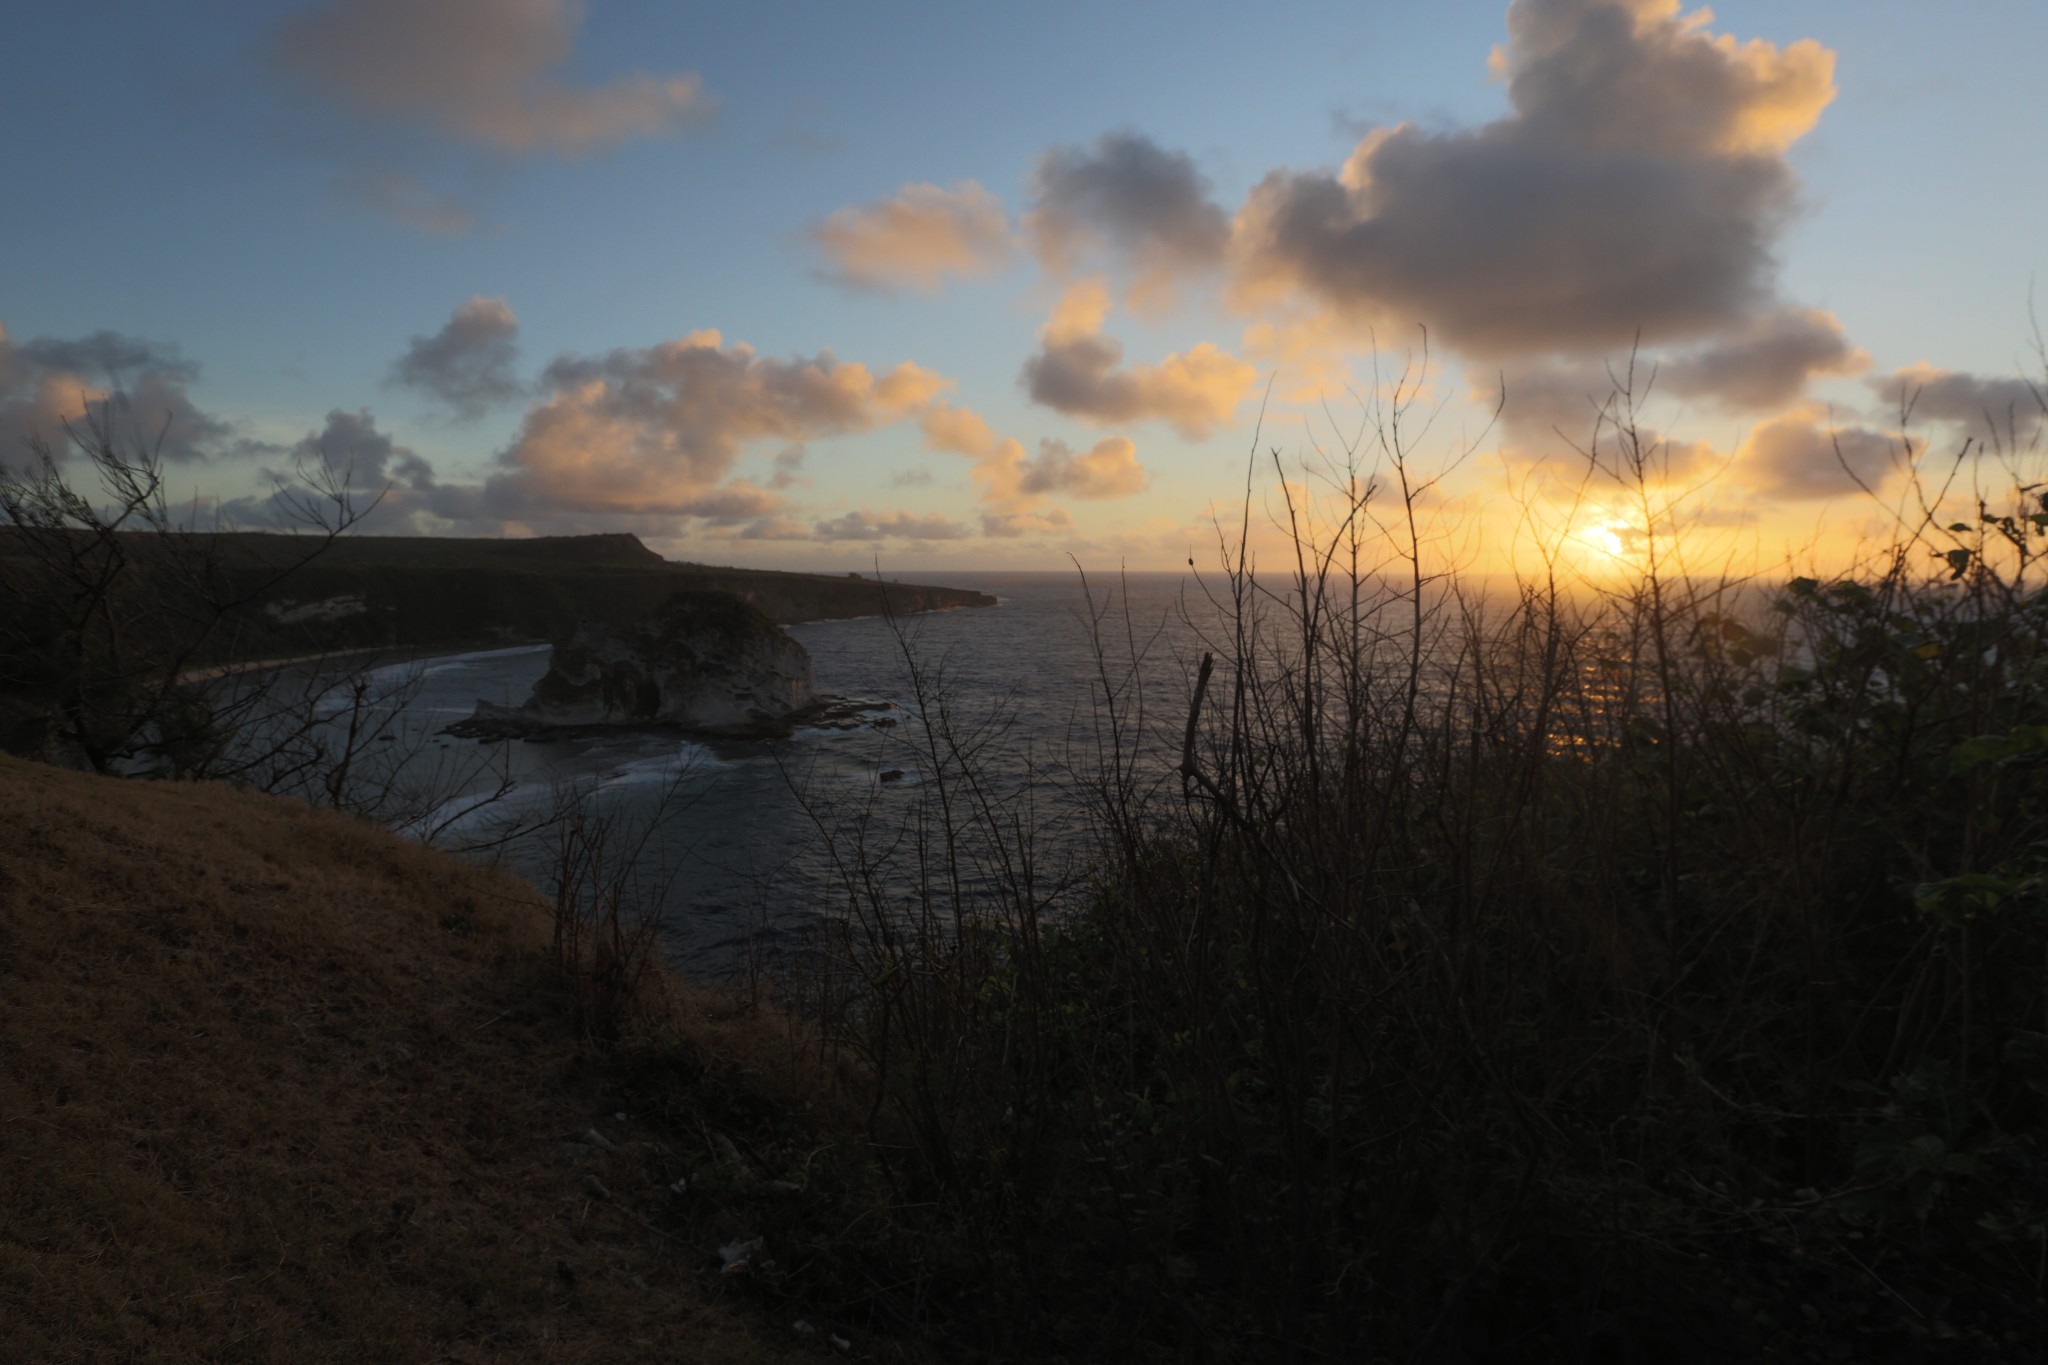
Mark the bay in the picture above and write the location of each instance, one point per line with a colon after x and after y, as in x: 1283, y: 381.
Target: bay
x: 754, y: 843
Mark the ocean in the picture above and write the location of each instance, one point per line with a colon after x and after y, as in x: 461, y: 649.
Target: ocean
x: 751, y: 845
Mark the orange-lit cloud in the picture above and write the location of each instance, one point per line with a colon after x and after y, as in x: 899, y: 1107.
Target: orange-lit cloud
x: 658, y: 429
x: 1014, y: 483
x: 1309, y: 350
x: 867, y: 525
x: 1644, y: 76
x: 1108, y: 469
x: 485, y: 71
x: 917, y: 239
x: 960, y: 431
x: 1076, y: 372
x: 1633, y: 191
x: 739, y: 500
x: 47, y: 383
x: 468, y: 364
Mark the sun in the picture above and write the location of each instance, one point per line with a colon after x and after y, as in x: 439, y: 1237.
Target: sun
x: 1605, y: 535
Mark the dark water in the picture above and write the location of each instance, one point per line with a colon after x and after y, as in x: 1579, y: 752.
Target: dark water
x: 753, y: 841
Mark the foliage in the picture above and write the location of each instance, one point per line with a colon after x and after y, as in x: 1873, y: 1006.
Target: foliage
x: 1661, y: 973
x: 103, y: 628
x: 605, y: 886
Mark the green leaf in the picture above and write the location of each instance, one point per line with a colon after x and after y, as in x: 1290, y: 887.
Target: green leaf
x: 1973, y: 752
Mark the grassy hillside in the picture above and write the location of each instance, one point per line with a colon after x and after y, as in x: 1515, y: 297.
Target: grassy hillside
x: 280, y: 1085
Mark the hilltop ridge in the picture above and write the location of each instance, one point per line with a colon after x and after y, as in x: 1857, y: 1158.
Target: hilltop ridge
x: 283, y: 1085
x: 429, y: 593
x: 421, y: 593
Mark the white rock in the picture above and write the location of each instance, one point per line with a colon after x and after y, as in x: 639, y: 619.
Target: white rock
x: 738, y: 1255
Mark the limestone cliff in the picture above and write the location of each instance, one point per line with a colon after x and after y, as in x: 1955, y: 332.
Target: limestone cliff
x: 702, y: 660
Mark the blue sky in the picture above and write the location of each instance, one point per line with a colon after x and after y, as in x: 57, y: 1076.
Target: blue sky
x: 276, y: 212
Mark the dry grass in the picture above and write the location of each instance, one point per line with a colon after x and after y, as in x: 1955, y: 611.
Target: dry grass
x: 279, y: 1085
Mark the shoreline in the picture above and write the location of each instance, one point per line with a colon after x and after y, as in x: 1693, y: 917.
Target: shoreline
x: 380, y: 655
x: 389, y: 655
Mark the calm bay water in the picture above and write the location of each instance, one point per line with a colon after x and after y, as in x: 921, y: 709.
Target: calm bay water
x: 742, y: 856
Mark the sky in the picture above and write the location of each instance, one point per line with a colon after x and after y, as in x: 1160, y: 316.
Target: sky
x: 960, y: 286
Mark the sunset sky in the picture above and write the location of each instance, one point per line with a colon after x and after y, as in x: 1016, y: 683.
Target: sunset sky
x: 952, y: 286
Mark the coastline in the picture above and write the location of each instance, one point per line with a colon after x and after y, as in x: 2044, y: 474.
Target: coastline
x: 382, y: 656
x: 391, y: 655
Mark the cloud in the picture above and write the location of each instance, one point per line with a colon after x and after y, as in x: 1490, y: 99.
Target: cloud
x: 1546, y: 400
x: 351, y: 443
x: 960, y: 431
x: 1559, y: 412
x: 788, y: 462
x: 655, y: 429
x: 1075, y: 372
x: 1768, y: 362
x: 406, y: 200
x: 416, y: 503
x: 775, y: 528
x: 642, y: 438
x: 1108, y: 469
x: 1794, y: 457
x: 1014, y: 482
x: 47, y: 383
x: 917, y: 239
x: 736, y: 501
x: 865, y: 525
x: 1308, y: 350
x: 482, y: 71
x: 1998, y: 412
x: 1012, y: 525
x: 394, y: 479
x: 1127, y: 198
x: 468, y: 364
x: 1633, y: 191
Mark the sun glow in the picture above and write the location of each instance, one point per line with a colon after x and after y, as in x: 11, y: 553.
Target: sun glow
x: 1606, y: 536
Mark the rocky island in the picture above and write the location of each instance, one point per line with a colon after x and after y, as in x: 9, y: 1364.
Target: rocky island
x: 706, y: 662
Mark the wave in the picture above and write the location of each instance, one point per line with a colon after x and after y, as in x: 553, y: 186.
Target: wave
x: 688, y: 759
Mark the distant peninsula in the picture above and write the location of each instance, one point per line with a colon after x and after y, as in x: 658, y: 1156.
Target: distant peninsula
x: 430, y: 593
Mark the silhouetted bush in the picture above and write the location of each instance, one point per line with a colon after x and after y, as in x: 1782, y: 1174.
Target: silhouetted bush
x: 1657, y: 972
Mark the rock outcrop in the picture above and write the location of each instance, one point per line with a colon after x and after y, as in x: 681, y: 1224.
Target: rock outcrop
x: 704, y: 661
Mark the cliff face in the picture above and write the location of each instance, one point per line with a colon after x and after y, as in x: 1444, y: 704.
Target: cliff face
x: 707, y: 661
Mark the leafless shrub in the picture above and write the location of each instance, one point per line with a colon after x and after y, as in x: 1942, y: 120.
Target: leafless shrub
x: 1468, y: 968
